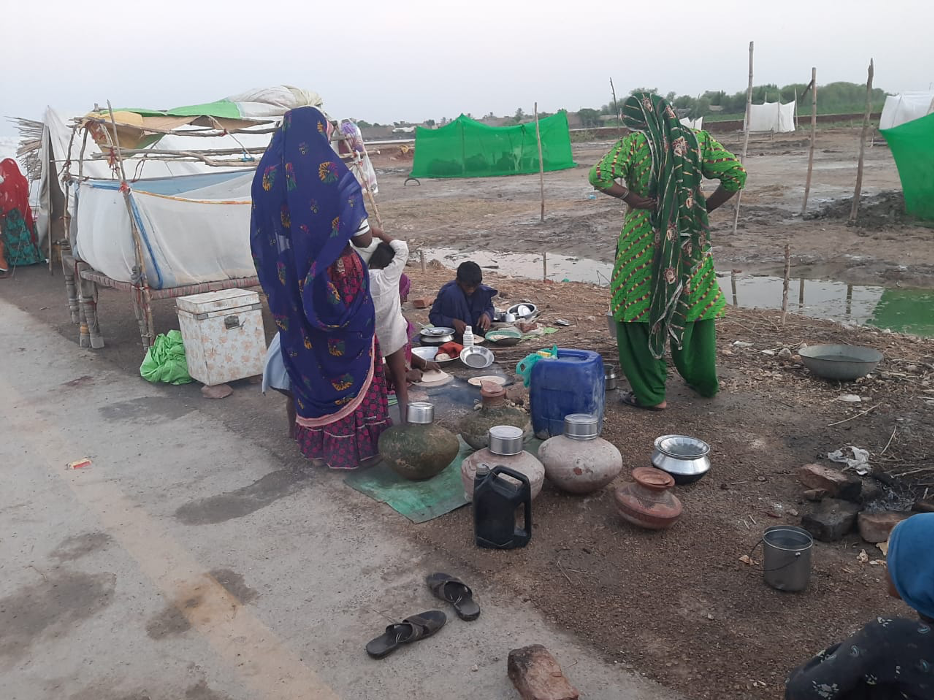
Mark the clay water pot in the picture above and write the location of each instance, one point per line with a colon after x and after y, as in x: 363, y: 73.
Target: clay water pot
x: 505, y: 450
x: 647, y: 501
x: 580, y: 461
x: 420, y: 449
x: 475, y: 428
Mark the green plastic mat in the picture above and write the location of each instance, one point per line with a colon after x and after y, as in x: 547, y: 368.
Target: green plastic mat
x: 419, y: 501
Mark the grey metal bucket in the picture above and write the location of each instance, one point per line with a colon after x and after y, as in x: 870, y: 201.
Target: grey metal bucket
x: 787, y: 557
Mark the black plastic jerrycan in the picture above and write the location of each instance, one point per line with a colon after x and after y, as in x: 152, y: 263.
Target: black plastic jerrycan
x: 495, y: 502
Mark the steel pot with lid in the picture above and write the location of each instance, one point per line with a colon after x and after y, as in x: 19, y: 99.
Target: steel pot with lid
x: 686, y: 458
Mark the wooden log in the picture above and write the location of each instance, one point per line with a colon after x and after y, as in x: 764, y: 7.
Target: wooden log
x: 421, y: 259
x: 541, y: 161
x: 786, y: 282
x: 545, y: 266
x: 537, y: 675
x: 854, y: 210
x: 807, y: 183
x: 141, y: 300
x: 71, y: 289
x: 739, y: 196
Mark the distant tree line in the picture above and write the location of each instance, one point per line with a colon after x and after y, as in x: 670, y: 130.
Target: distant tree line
x: 833, y: 98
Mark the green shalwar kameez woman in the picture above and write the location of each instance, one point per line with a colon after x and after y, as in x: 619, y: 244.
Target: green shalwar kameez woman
x: 664, y: 286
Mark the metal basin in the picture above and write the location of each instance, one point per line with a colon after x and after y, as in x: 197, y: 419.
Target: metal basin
x: 437, y: 335
x: 476, y: 357
x: 430, y: 354
x: 840, y: 362
x: 687, y: 459
x: 531, y: 310
x: 504, y: 336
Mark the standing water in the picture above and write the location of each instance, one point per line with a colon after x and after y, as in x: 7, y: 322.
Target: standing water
x: 899, y: 309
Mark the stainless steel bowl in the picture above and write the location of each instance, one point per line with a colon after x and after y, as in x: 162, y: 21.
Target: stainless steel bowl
x: 420, y: 413
x: 532, y: 310
x: 687, y: 459
x: 429, y: 353
x: 840, y: 362
x: 581, y: 426
x: 506, y: 440
x: 437, y: 335
x: 476, y: 357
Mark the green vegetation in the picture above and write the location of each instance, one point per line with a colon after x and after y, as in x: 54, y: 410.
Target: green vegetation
x: 833, y: 98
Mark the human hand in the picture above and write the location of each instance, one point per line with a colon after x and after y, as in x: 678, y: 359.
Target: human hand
x: 459, y: 326
x: 638, y: 202
x: 484, y: 323
x: 432, y: 367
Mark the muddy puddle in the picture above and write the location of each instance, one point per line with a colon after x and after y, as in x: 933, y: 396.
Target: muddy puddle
x: 899, y: 309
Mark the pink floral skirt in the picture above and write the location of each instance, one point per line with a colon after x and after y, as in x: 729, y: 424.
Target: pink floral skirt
x: 343, y: 444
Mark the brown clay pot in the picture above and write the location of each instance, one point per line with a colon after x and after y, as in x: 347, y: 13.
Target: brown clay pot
x: 475, y: 427
x: 646, y: 501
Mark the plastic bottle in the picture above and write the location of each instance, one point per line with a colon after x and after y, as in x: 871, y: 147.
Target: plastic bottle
x: 468, y: 337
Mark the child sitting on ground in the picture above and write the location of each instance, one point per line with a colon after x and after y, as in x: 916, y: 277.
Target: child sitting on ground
x: 466, y: 301
x: 889, y: 657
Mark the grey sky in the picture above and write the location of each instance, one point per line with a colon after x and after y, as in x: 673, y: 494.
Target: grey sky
x: 416, y: 59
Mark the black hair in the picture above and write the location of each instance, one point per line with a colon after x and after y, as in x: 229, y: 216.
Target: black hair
x: 469, y: 273
x: 382, y: 256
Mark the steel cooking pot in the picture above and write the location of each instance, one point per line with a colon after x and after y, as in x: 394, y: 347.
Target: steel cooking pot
x: 687, y: 459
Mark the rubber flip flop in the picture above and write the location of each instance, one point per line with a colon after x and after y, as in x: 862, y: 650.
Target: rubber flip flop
x: 630, y: 399
x: 411, y: 629
x: 454, y: 591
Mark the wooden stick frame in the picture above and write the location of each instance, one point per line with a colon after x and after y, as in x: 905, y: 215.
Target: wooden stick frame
x: 541, y: 161
x: 854, y: 209
x: 807, y: 182
x: 739, y: 195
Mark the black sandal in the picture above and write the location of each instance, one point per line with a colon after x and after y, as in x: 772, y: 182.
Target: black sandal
x: 454, y: 591
x: 411, y: 629
x: 629, y: 399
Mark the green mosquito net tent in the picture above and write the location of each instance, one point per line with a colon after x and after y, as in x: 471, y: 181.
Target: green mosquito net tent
x: 912, y: 146
x: 467, y: 148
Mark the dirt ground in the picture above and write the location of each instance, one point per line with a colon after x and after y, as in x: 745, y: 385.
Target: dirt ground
x: 676, y: 606
x: 502, y: 214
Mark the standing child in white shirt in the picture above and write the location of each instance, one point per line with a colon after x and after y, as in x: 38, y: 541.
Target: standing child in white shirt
x: 386, y: 265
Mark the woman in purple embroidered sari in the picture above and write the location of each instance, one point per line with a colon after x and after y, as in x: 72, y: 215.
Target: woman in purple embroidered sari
x: 306, y: 207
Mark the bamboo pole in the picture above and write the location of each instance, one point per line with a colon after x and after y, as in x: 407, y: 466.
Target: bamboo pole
x: 357, y: 163
x: 786, y: 281
x: 615, y: 103
x: 807, y: 183
x: 541, y: 161
x: 146, y: 321
x: 854, y: 210
x: 48, y: 202
x: 739, y: 195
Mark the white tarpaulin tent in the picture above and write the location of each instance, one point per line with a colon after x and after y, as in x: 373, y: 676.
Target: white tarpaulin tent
x: 772, y: 116
x: 193, y: 228
x: 693, y: 124
x: 906, y: 107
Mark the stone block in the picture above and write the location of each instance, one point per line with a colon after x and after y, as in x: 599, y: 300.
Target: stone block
x: 876, y: 527
x: 831, y: 520
x: 537, y: 675
x: 836, y: 483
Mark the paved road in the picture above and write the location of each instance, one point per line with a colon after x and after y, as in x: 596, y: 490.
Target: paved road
x: 189, y: 563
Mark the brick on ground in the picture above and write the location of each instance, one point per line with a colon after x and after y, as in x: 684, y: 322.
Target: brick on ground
x: 836, y: 483
x: 537, y: 675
